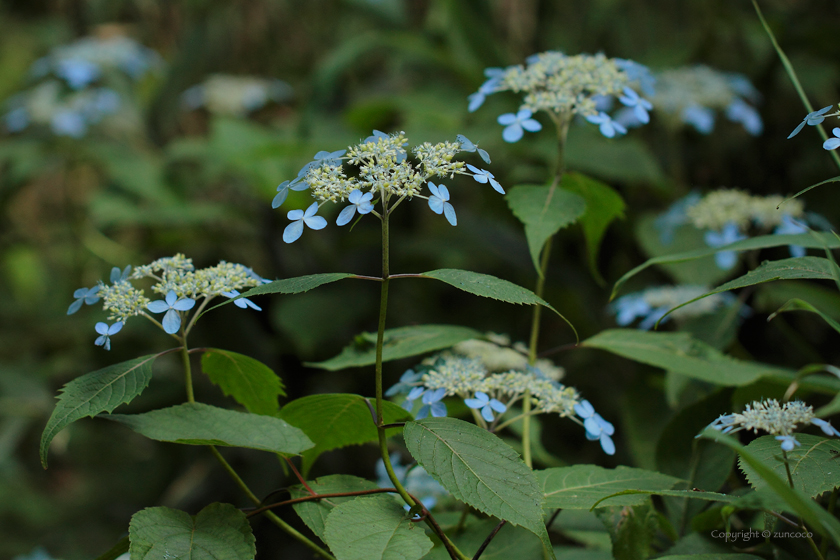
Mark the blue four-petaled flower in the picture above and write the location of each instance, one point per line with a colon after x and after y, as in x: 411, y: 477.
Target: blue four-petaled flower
x: 87, y: 296
x: 639, y: 105
x: 105, y: 332
x: 487, y: 405
x: 294, y: 230
x: 358, y: 203
x: 515, y: 124
x: 833, y: 143
x: 606, y: 125
x: 405, y: 384
x: 482, y: 176
x: 788, y: 442
x: 439, y: 202
x: 171, y: 305
x: 812, y: 119
x: 242, y: 303
x: 596, y: 427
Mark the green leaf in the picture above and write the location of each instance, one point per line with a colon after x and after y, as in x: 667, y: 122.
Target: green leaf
x: 509, y: 542
x: 806, y: 189
x: 336, y: 420
x: 295, y: 285
x: 315, y: 513
x: 797, y: 304
x: 99, y: 391
x: 581, y: 486
x: 202, y: 424
x: 603, y: 205
x: 218, y: 531
x: 811, y: 240
x: 250, y: 382
x: 544, y: 210
x: 815, y: 517
x: 688, y: 494
x: 631, y: 531
x: 681, y: 353
x: 399, y: 343
x: 374, y: 528
x: 814, y: 466
x: 478, y: 468
x: 798, y: 268
x: 488, y: 286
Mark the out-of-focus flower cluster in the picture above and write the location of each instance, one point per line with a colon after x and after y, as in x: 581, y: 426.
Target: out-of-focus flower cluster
x: 415, y: 479
x: 653, y: 303
x: 729, y: 215
x: 780, y: 420
x: 692, y: 95
x: 385, y: 177
x: 565, y: 86
x: 490, y: 376
x: 83, y: 84
x: 177, y: 280
x: 228, y: 95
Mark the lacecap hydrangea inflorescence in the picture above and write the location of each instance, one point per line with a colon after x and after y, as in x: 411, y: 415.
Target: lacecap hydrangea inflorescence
x: 83, y: 84
x: 730, y: 215
x: 228, y: 95
x: 491, y: 377
x: 779, y: 420
x: 693, y: 94
x: 652, y: 304
x: 565, y: 86
x: 385, y: 177
x: 180, y: 285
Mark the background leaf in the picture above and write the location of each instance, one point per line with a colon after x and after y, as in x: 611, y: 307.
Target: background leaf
x: 336, y: 420
x: 603, y: 205
x: 315, y: 513
x: 509, y: 542
x: 202, y: 424
x: 100, y: 391
x: 374, y: 528
x: 250, y: 382
x: 218, y: 531
x: 476, y: 467
x: 814, y: 465
x: 544, y: 211
x: 581, y: 486
x: 401, y: 342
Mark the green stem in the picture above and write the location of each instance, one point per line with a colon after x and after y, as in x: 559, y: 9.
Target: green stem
x: 793, y: 78
x: 454, y: 553
x: 185, y: 359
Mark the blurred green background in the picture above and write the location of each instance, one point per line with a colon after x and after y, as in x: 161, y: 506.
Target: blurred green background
x: 160, y: 175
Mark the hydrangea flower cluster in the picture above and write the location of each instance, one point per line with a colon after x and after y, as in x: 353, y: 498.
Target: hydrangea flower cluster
x: 653, y: 303
x: 780, y: 420
x: 176, y: 279
x: 565, y: 86
x: 385, y: 177
x: 71, y: 94
x: 691, y: 95
x: 224, y: 94
x: 491, y: 378
x: 816, y: 117
x: 729, y: 214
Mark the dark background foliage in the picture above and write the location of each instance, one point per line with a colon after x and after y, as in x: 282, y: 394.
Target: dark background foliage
x: 201, y: 184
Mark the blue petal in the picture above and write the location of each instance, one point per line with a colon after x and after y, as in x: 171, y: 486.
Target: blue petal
x: 346, y: 215
x: 75, y: 306
x: 449, y: 212
x: 101, y: 328
x: 171, y: 322
x: 607, y: 444
x: 158, y: 306
x: 293, y: 231
x: 279, y: 198
x: 512, y: 133
x: 184, y: 304
x: 438, y: 409
x: 315, y: 222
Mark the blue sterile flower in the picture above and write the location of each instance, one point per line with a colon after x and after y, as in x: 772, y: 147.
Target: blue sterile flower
x: 439, y: 202
x: 494, y: 76
x: 171, y: 305
x: 294, y: 230
x: 833, y: 143
x: 358, y: 202
x: 742, y: 112
x: 515, y: 123
x: 118, y: 275
x: 608, y: 127
x: 675, y: 216
x: 257, y: 277
x: 639, y: 105
x: 790, y: 227
x: 242, y: 303
x: 638, y: 72
x: 17, y: 119
x: 468, y: 146
x: 812, y: 119
x: 329, y: 158
x: 596, y: 427
x: 723, y: 423
x: 701, y: 118
x: 432, y: 404
x: 382, y: 479
x: 629, y: 308
x: 655, y: 315
x: 482, y: 176
x: 405, y: 384
x: 826, y: 427
x: 729, y: 234
x: 412, y: 396
x: 87, y: 296
x: 788, y: 442
x: 68, y: 123
x: 486, y: 404
x: 377, y: 134
x: 105, y: 332
x: 282, y: 192
x: 77, y: 72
